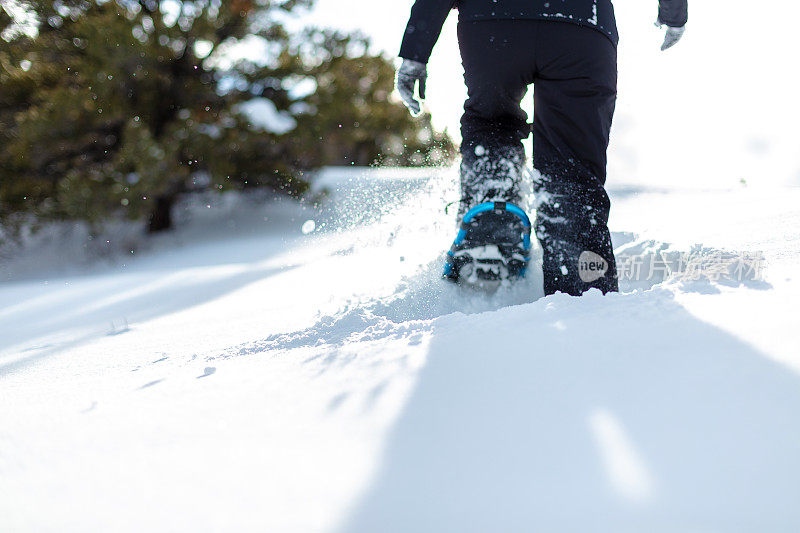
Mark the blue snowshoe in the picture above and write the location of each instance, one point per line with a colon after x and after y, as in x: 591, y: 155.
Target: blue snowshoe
x: 492, y: 248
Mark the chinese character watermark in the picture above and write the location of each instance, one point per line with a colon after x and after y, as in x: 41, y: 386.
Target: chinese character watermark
x: 714, y: 265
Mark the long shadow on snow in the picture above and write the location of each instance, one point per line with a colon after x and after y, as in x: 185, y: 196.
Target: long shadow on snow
x: 606, y: 414
x: 159, y: 295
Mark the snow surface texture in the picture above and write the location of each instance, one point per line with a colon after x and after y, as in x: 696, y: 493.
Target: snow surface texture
x: 240, y: 375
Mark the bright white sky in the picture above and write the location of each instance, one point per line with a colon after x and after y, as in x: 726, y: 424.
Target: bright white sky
x: 718, y: 108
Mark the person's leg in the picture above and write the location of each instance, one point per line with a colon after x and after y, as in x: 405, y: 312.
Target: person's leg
x: 498, y: 67
x: 574, y: 99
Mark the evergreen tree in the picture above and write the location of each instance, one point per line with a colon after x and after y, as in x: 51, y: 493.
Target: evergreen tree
x: 354, y: 120
x: 119, y: 106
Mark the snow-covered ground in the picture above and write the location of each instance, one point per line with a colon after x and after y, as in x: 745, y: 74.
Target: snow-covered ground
x: 242, y: 375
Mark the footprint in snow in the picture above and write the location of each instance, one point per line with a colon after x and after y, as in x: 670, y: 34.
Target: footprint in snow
x: 207, y: 372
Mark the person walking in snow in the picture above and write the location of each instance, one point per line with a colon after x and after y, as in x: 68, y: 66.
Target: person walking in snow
x: 568, y: 50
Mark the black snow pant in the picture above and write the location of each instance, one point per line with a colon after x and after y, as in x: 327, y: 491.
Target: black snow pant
x: 574, y: 73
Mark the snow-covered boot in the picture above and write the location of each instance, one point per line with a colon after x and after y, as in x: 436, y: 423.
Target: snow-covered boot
x: 492, y: 247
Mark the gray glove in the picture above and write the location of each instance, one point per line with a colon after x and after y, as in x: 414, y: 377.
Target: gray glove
x: 409, y: 73
x: 672, y: 36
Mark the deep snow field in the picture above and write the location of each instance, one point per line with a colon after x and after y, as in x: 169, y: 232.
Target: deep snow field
x: 255, y: 371
x: 248, y: 373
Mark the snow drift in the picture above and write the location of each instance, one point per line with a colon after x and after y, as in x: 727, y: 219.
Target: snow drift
x: 241, y: 374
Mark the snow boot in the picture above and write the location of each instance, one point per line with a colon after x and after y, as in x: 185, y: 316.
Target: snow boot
x: 492, y: 247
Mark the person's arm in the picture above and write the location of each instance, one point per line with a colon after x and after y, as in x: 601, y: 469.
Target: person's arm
x: 673, y: 14
x: 422, y: 32
x: 423, y: 29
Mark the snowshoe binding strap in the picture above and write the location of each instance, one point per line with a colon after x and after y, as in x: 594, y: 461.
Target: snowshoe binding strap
x: 493, y: 245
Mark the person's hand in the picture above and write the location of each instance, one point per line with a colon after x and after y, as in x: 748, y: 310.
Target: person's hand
x: 409, y: 73
x: 672, y: 36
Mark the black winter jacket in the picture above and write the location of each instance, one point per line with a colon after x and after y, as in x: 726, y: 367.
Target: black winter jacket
x: 428, y: 16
